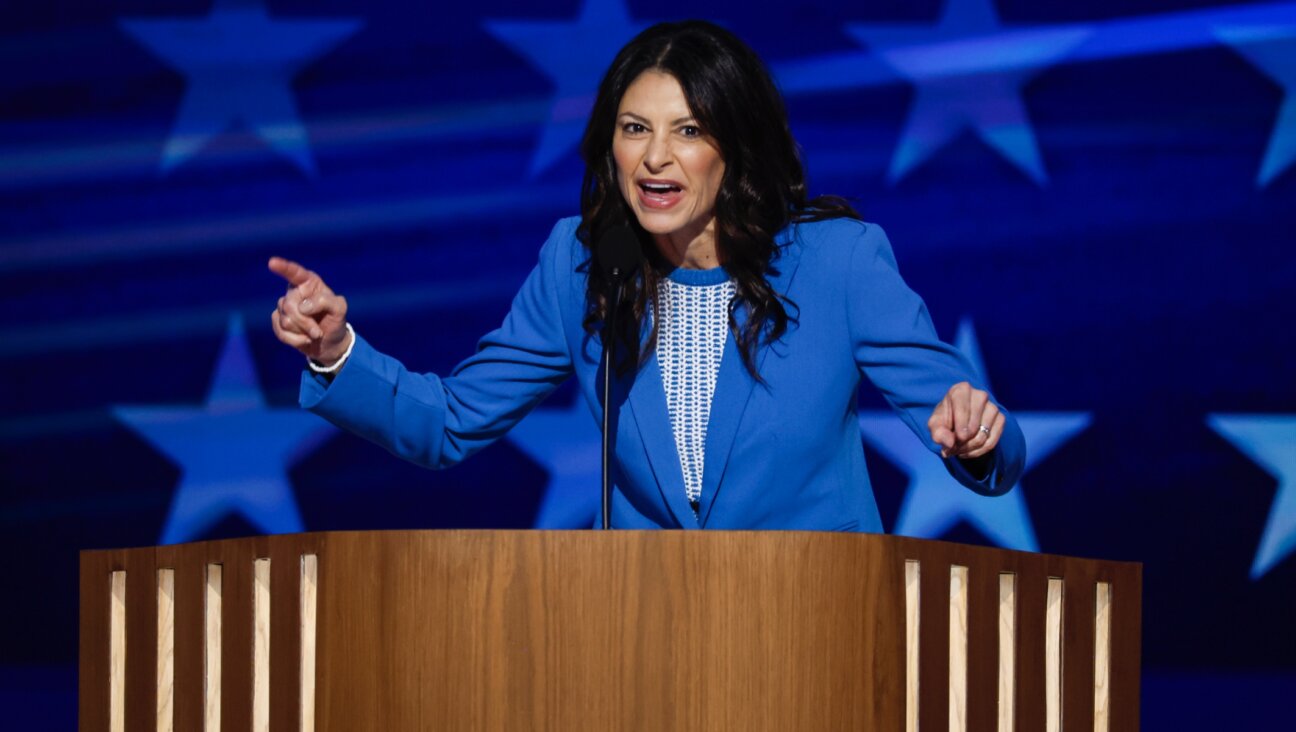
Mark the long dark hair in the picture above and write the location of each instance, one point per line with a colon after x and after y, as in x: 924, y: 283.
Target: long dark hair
x: 734, y: 100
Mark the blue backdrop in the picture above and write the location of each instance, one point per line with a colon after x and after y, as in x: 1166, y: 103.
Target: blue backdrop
x: 1097, y: 201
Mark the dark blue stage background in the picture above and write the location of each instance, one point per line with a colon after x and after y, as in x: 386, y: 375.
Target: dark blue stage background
x: 1097, y: 200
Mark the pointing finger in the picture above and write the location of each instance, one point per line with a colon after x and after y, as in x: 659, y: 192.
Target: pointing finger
x: 296, y: 274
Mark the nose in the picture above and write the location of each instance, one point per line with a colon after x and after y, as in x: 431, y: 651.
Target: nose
x: 658, y: 155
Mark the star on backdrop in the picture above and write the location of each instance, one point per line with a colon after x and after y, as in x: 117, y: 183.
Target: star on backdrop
x: 934, y: 502
x: 239, y: 65
x: 1272, y: 50
x: 233, y: 451
x: 968, y: 72
x: 565, y: 441
x: 573, y: 54
x: 1270, y: 441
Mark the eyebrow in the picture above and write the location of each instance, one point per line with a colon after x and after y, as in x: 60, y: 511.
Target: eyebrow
x: 678, y: 121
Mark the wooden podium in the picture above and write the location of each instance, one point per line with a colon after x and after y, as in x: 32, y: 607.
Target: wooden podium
x: 622, y: 630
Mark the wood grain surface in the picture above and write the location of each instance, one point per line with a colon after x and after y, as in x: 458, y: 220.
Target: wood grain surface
x: 582, y: 630
x: 165, y: 650
x: 1007, y: 673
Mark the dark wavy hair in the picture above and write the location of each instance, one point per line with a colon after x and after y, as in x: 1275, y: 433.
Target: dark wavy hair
x: 735, y: 102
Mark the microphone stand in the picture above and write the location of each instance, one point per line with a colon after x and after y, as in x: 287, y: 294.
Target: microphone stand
x: 619, y: 256
x: 609, y: 349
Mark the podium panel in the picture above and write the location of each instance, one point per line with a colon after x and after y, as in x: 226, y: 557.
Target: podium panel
x: 586, y: 630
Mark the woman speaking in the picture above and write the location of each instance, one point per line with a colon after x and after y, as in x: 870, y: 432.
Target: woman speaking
x: 747, y: 325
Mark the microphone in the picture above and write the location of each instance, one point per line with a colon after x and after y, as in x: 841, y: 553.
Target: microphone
x: 619, y: 257
x: 619, y: 254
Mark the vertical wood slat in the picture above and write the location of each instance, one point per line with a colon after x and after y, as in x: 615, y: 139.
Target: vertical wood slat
x: 141, y: 640
x: 1053, y: 656
x: 983, y: 642
x: 261, y: 645
x: 190, y: 562
x: 913, y: 597
x: 933, y: 644
x: 285, y: 637
x: 165, y: 649
x: 1032, y: 597
x: 1007, y: 645
x: 237, y: 633
x: 117, y: 652
x: 958, y: 647
x: 214, y: 632
x: 309, y: 608
x: 1102, y: 657
x: 1078, y: 649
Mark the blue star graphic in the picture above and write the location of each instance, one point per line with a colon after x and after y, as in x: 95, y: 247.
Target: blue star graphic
x: 934, y: 502
x: 968, y: 72
x: 1270, y: 441
x: 573, y: 54
x: 239, y: 66
x: 566, y: 442
x: 233, y: 451
x: 1272, y: 50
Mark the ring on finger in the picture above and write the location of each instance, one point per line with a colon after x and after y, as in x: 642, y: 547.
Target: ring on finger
x: 983, y: 429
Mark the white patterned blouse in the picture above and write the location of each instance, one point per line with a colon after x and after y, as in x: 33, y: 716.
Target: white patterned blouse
x: 691, y: 334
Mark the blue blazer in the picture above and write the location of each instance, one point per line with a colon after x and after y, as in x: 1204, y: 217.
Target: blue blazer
x: 783, y: 454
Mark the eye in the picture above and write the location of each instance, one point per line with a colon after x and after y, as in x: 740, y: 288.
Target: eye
x: 633, y: 128
x: 691, y: 131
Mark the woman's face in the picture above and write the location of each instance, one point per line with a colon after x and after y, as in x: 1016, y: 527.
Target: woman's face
x: 669, y: 170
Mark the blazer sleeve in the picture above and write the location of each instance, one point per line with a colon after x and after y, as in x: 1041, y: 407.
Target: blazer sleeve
x: 437, y: 421
x: 896, y: 348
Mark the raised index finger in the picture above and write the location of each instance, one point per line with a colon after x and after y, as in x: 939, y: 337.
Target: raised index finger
x: 296, y: 274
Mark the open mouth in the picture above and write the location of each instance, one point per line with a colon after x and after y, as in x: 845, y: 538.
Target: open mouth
x: 659, y: 194
x: 660, y: 189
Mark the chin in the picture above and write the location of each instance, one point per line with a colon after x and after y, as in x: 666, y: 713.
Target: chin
x: 657, y: 228
x: 658, y: 224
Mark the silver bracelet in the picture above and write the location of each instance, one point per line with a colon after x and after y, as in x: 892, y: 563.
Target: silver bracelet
x: 338, y: 363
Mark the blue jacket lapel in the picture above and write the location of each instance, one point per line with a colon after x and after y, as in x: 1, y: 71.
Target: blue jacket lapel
x: 733, y: 391
x: 648, y: 407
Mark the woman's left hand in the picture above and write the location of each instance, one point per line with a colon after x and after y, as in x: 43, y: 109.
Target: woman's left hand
x: 966, y: 424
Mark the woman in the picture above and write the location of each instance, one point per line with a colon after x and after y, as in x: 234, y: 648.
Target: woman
x: 753, y: 316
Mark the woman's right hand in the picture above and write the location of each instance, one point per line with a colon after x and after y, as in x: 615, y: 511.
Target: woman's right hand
x: 310, y: 317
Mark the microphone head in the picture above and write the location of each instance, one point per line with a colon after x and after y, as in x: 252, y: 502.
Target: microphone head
x: 618, y: 253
